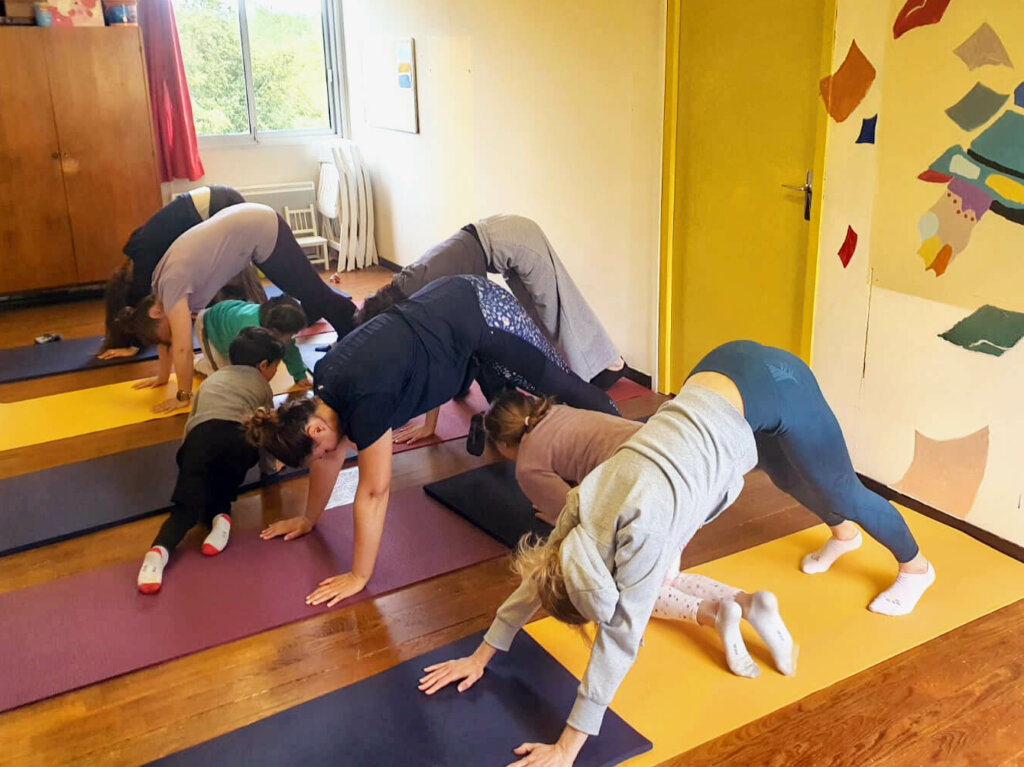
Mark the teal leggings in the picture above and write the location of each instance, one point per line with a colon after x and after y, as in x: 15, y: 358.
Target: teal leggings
x: 799, y: 443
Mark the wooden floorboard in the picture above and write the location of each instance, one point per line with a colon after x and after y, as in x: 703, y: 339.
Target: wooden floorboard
x: 956, y: 700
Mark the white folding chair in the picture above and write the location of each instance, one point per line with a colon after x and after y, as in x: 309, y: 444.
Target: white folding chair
x: 302, y: 222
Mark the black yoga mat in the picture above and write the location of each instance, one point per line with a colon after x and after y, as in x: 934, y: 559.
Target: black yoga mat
x: 54, y: 504
x: 524, y: 696
x: 490, y: 498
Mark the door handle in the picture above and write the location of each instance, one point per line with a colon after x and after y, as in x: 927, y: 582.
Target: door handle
x: 808, y: 191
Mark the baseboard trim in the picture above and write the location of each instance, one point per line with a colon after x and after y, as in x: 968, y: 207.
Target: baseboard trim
x: 984, y: 536
x: 391, y: 266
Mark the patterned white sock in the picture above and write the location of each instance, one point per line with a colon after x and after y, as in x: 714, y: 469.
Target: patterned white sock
x: 151, y: 574
x: 902, y: 596
x: 674, y: 605
x: 727, y: 624
x: 220, y: 530
x: 767, y: 622
x: 821, y: 560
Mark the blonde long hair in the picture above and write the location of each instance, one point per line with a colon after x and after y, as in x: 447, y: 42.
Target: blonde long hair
x: 537, y: 560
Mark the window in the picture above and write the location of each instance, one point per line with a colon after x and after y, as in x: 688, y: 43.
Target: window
x: 259, y: 67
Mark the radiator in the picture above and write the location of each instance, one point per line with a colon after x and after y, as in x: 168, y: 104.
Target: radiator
x: 300, y: 194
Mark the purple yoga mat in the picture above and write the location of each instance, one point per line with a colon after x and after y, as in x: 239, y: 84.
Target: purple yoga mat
x: 85, y: 628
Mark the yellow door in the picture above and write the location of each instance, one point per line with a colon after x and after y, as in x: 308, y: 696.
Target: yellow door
x: 743, y: 117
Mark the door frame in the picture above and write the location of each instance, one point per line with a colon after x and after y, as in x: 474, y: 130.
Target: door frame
x: 669, y: 190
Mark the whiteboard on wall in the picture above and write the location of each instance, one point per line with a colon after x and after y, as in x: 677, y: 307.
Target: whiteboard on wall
x: 389, y: 83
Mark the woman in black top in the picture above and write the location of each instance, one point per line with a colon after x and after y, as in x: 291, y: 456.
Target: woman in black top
x: 131, y: 281
x: 399, y: 365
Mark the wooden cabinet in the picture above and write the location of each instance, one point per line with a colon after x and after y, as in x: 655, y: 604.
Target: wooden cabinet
x: 77, y: 160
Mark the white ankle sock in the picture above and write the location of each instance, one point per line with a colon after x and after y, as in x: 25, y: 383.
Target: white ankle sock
x: 822, y: 559
x: 901, y: 597
x: 727, y: 625
x: 220, y: 531
x: 764, y: 617
x: 151, y: 574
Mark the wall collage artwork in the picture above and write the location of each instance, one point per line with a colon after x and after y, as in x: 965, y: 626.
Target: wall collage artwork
x: 945, y: 228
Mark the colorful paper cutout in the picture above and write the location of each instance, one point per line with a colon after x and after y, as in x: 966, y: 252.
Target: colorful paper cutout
x: 867, y: 130
x: 977, y: 107
x: 843, y: 91
x: 983, y: 48
x: 848, y: 247
x: 918, y: 13
x: 946, y: 473
x: 989, y: 330
x: 947, y: 226
x: 1006, y: 187
x: 934, y: 177
x: 1018, y: 95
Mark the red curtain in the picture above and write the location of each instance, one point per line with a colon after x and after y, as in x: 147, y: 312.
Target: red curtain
x: 175, y: 132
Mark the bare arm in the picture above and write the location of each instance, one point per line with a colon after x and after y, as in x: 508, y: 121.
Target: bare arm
x: 409, y: 433
x: 180, y: 319
x: 368, y: 511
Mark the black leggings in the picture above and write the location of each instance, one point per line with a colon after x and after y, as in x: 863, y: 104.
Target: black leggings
x: 289, y: 269
x: 212, y: 464
x: 507, y: 360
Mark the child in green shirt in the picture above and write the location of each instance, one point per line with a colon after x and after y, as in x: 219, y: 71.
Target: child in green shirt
x: 219, y: 325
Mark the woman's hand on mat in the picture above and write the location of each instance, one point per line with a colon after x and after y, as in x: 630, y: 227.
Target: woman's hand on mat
x: 292, y: 528
x: 149, y: 383
x: 410, y: 433
x: 337, y: 588
x: 170, y: 404
x: 124, y: 351
x: 440, y: 675
x: 543, y: 755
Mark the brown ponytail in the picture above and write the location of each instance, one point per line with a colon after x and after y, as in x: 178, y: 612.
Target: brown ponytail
x: 282, y: 432
x: 115, y: 299
x: 136, y: 323
x: 513, y: 415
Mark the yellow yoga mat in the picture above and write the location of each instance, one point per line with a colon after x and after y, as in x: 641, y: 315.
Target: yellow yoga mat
x: 70, y: 414
x: 679, y: 692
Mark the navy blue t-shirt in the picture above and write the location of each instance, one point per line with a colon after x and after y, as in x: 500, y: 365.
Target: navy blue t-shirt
x: 410, y: 359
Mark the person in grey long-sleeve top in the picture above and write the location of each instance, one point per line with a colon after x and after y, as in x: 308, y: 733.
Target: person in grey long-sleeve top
x: 623, y: 527
x: 517, y: 248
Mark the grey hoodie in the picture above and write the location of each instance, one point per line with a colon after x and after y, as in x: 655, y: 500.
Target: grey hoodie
x: 623, y: 527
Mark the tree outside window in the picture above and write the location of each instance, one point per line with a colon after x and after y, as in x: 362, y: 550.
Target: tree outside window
x: 257, y: 66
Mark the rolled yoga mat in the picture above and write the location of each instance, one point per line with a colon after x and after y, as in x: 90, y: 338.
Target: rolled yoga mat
x: 679, y: 692
x: 490, y: 498
x: 385, y: 720
x: 88, y: 627
x: 77, y: 498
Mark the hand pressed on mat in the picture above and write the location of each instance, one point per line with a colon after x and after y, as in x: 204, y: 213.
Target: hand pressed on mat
x: 468, y: 670
x: 337, y: 588
x: 115, y: 353
x: 170, y: 404
x: 292, y: 528
x: 409, y: 433
x: 560, y: 754
x: 150, y: 383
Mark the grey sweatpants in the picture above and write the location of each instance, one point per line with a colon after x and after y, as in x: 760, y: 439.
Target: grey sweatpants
x: 517, y: 248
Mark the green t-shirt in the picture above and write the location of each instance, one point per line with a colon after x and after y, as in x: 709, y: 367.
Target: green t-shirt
x: 225, y: 320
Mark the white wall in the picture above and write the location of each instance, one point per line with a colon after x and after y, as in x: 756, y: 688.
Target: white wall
x: 551, y: 109
x: 252, y: 164
x: 877, y: 351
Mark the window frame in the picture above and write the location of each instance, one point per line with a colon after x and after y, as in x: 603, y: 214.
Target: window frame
x: 334, y: 72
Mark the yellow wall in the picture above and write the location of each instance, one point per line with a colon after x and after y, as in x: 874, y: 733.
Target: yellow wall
x: 876, y: 352
x: 547, y: 108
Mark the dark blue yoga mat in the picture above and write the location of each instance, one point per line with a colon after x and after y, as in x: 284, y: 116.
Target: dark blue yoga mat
x: 524, y: 696
x: 76, y: 498
x: 490, y: 498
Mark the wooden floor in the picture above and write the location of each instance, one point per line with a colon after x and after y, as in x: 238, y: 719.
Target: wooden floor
x: 956, y: 700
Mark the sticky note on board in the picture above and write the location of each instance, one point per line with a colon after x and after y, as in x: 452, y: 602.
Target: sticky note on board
x: 404, y: 66
x: 404, y: 81
x: 404, y: 52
